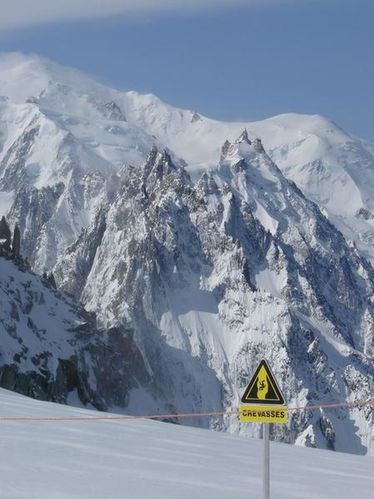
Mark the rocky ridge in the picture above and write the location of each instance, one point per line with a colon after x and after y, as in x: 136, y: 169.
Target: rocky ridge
x: 214, y: 275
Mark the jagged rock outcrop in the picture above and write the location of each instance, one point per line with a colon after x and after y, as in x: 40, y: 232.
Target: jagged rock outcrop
x: 16, y: 243
x: 214, y: 275
x: 5, y: 234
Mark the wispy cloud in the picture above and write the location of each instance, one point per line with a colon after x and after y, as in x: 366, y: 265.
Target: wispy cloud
x: 19, y: 13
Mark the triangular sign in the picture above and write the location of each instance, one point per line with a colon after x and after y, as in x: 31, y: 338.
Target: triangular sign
x: 263, y: 389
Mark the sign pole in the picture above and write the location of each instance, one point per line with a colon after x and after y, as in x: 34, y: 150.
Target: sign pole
x: 266, y: 471
x: 263, y: 402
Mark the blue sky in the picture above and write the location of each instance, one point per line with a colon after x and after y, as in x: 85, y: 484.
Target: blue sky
x: 238, y: 61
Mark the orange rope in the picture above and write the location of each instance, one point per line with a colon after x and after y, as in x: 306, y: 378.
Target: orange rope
x: 120, y: 417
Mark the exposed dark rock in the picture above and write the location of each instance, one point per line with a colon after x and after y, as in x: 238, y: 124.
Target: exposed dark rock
x: 16, y: 243
x: 5, y: 234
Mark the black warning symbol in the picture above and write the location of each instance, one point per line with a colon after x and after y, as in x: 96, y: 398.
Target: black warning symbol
x: 263, y: 389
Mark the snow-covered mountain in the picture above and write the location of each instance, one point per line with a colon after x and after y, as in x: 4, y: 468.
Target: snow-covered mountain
x: 142, y: 459
x: 213, y: 276
x: 185, y: 231
x: 68, y: 134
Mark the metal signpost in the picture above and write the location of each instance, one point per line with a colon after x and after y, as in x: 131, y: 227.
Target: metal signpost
x: 263, y: 402
x: 266, y: 472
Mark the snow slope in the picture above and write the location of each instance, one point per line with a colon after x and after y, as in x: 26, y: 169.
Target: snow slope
x: 147, y: 459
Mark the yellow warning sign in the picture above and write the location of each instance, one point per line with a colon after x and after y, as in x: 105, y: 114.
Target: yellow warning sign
x: 263, y: 389
x: 263, y: 414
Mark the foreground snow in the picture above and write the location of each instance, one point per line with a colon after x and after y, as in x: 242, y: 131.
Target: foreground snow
x: 139, y: 459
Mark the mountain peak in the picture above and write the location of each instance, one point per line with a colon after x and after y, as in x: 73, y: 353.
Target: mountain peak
x: 243, y: 138
x: 241, y: 148
x: 25, y: 76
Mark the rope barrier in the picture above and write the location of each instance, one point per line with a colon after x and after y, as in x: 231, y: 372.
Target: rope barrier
x: 120, y: 417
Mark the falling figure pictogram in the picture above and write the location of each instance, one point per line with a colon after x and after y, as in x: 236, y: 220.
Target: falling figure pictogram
x: 262, y: 384
x: 263, y: 387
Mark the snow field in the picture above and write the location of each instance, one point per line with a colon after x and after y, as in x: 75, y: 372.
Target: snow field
x: 140, y: 459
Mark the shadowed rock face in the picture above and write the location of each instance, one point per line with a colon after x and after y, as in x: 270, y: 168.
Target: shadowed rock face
x: 51, y: 349
x: 5, y: 235
x: 16, y: 243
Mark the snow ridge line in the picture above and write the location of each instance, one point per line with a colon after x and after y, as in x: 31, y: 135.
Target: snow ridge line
x: 359, y: 404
